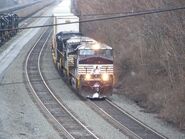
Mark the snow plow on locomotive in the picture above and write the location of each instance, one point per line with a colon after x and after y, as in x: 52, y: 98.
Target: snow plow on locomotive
x: 86, y: 64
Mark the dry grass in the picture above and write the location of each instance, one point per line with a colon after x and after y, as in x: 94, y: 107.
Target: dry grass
x: 149, y: 52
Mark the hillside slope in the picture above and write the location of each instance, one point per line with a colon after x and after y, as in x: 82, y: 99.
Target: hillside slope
x: 149, y: 52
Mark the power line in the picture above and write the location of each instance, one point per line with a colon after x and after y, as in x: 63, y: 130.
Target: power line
x: 133, y: 14
x: 102, y: 14
x: 81, y: 15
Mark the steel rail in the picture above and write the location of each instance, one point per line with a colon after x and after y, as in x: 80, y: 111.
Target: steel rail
x: 135, y: 119
x: 113, y: 121
x: 35, y: 94
x: 59, y: 101
x: 124, y: 121
x: 92, y: 135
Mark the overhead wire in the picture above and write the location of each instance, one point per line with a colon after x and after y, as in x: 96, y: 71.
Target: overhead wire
x: 102, y: 14
x: 130, y: 14
x: 82, y: 15
x: 118, y: 15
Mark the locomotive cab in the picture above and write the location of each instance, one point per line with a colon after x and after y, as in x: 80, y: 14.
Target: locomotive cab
x: 94, y: 69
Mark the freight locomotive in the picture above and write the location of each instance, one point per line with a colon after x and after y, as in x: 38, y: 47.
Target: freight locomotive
x: 86, y: 64
x: 8, y: 24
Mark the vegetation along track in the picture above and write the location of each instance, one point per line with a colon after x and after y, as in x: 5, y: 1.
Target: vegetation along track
x: 124, y: 121
x: 69, y: 124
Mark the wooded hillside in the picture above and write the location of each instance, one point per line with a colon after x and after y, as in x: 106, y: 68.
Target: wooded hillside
x: 149, y: 52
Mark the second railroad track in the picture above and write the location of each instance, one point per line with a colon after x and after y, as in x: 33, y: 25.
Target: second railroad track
x: 69, y: 124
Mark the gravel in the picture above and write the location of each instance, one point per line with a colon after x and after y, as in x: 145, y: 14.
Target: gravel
x: 20, y: 118
x: 95, y: 122
x: 148, y: 118
x: 7, y: 3
x: 11, y: 3
x: 99, y: 125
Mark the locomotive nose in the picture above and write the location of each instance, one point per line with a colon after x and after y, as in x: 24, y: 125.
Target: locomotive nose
x: 96, y: 87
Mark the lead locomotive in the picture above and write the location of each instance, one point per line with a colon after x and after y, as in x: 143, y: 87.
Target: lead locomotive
x: 85, y: 63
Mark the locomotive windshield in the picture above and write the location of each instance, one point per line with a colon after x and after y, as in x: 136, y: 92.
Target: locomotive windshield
x: 91, y: 52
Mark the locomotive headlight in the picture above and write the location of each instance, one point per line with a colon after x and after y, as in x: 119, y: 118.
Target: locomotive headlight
x: 96, y: 46
x: 105, y: 77
x: 87, y: 77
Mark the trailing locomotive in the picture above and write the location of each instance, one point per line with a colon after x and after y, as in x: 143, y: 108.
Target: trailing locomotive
x: 86, y: 64
x: 10, y: 22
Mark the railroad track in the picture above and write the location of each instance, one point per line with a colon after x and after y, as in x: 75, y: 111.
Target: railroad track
x: 122, y: 120
x: 17, y: 7
x: 69, y: 124
x: 26, y: 21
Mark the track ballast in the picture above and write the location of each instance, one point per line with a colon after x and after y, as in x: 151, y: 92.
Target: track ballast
x: 72, y: 127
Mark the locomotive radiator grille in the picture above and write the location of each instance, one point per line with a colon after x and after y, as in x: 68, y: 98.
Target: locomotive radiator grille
x: 87, y: 68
